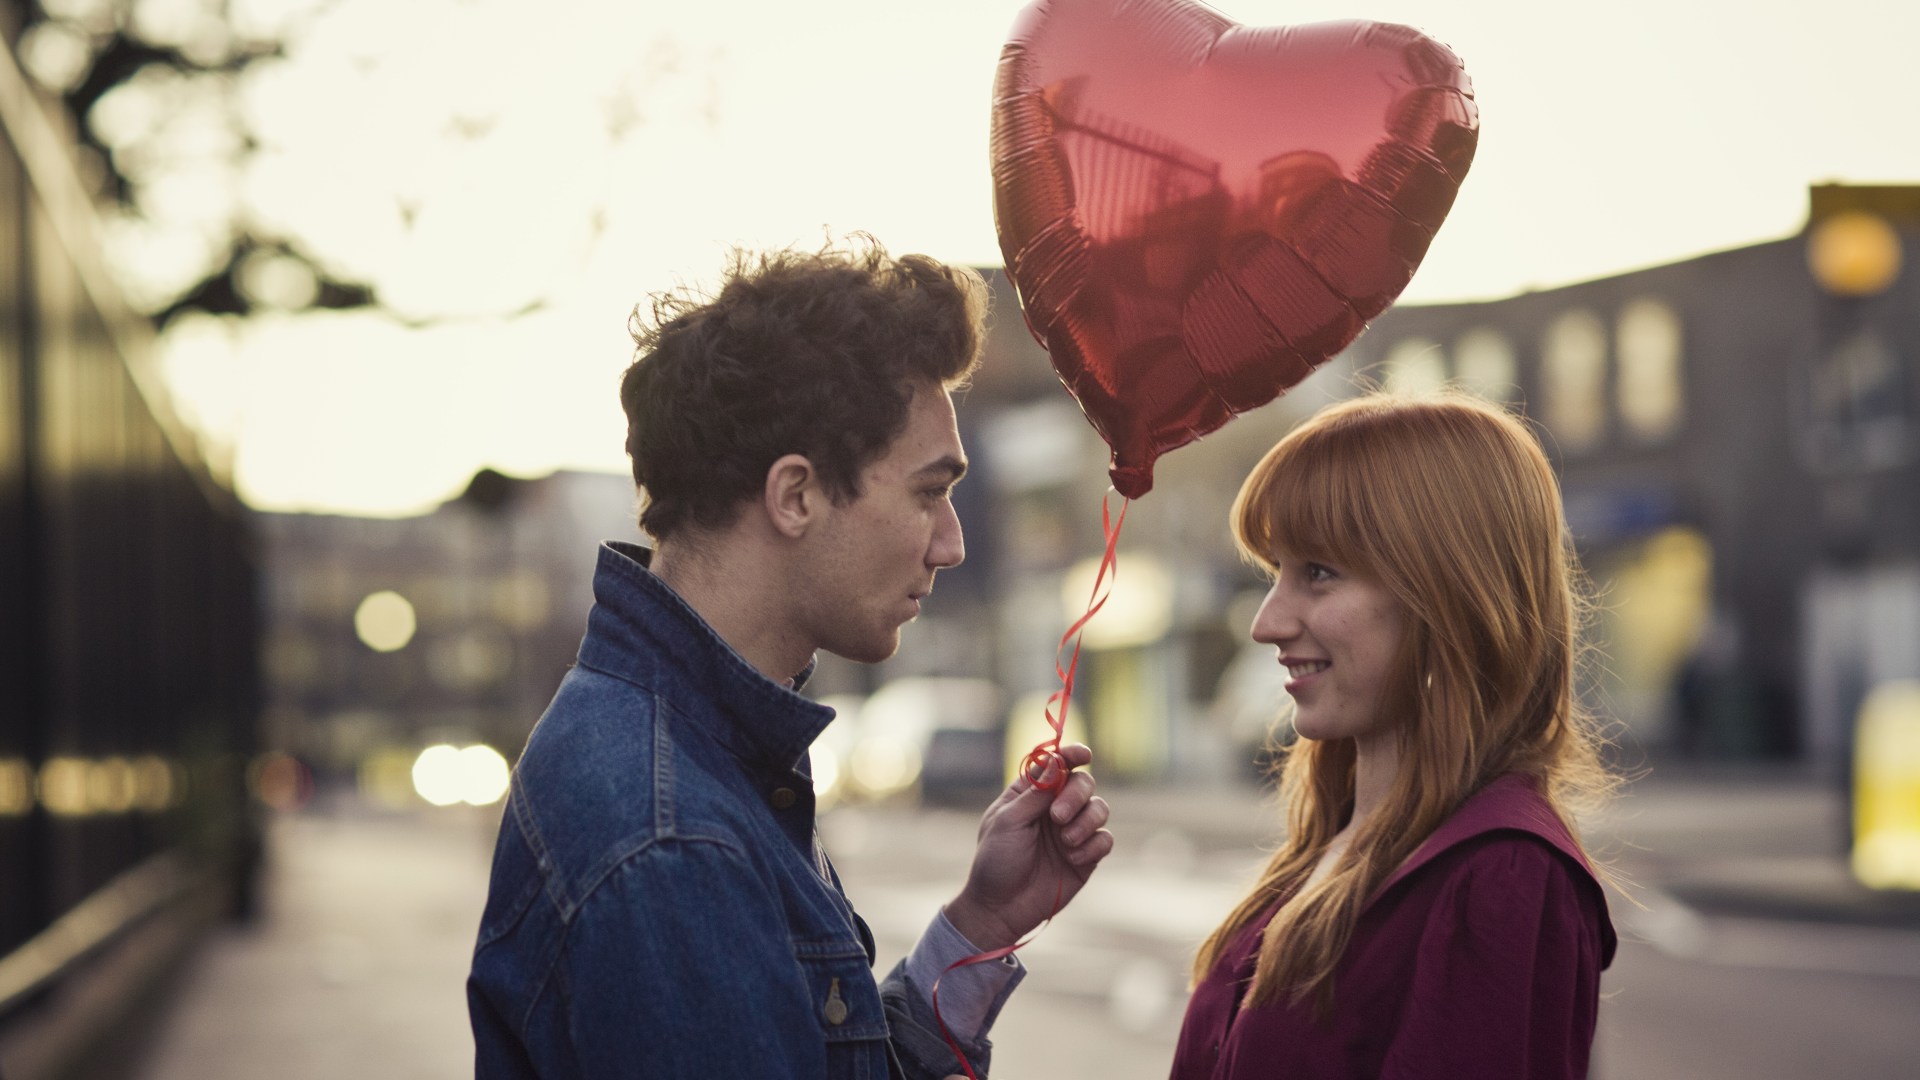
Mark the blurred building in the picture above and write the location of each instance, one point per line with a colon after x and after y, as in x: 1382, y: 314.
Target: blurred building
x: 1738, y: 441
x: 1739, y: 445
x: 1736, y: 434
x: 387, y: 635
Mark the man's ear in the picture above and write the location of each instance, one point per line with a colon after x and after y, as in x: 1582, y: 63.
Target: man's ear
x: 793, y: 497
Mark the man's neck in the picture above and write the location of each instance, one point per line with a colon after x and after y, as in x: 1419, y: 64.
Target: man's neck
x: 736, y: 589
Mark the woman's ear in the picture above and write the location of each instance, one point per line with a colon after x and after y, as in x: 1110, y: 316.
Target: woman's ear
x: 792, y: 497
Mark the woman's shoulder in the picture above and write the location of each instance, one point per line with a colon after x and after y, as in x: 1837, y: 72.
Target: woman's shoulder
x: 1511, y: 810
x: 1506, y: 846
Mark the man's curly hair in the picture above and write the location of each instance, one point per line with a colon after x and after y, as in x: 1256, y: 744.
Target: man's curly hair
x: 815, y: 353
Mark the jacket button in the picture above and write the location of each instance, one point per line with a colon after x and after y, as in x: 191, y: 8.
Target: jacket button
x: 783, y: 798
x: 835, y: 1008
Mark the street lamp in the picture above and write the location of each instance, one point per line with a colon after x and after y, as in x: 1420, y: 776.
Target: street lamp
x: 1854, y: 254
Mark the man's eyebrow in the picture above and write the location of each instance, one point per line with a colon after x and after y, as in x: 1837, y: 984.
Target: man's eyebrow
x: 951, y: 467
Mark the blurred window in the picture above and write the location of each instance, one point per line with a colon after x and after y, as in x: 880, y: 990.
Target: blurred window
x: 1650, y: 391
x: 1859, y: 404
x: 1484, y: 361
x: 1416, y: 366
x: 522, y: 600
x: 1573, y: 380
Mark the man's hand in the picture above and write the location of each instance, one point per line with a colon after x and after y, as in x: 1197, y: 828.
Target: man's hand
x: 1036, y: 849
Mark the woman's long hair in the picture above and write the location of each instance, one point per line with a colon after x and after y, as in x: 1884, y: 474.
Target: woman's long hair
x: 1449, y: 503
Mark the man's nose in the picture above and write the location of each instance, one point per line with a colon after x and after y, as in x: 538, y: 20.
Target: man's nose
x: 949, y: 547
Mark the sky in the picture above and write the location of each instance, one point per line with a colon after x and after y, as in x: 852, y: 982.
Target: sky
x: 513, y: 189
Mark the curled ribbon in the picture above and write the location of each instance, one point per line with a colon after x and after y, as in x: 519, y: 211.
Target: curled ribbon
x: 1048, y: 751
x: 1043, y: 765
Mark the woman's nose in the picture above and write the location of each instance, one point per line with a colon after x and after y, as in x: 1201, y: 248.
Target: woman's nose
x: 1276, y: 621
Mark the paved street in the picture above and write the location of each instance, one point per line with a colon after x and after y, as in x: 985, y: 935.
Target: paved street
x: 359, y: 970
x: 1774, y: 969
x: 1693, y: 995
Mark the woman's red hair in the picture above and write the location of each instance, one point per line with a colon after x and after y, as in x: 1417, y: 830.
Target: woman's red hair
x: 1450, y: 504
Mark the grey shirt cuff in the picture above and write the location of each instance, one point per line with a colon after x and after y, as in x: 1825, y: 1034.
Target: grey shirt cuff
x: 971, y: 996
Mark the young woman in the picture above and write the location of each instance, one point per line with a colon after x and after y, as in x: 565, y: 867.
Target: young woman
x: 1432, y: 912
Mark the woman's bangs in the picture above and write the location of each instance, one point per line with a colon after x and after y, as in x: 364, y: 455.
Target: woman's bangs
x: 1298, y: 501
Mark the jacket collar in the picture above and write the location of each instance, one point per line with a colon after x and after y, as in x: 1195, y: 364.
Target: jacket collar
x: 1510, y: 803
x: 641, y: 630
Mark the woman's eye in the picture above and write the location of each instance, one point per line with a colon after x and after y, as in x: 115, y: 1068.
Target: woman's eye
x: 1317, y: 572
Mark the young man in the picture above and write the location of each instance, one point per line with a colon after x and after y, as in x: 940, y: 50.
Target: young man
x: 660, y: 906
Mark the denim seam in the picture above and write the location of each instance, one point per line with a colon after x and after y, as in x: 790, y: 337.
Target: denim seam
x: 520, y: 805
x: 516, y: 914
x: 663, y: 751
x: 627, y: 858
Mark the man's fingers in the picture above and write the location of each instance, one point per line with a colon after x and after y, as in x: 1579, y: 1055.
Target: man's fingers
x: 1095, y: 849
x: 1077, y: 755
x: 1024, y: 801
x: 1088, y: 821
x: 1073, y: 797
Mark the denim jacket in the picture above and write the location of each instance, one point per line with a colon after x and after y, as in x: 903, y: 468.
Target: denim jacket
x: 660, y: 906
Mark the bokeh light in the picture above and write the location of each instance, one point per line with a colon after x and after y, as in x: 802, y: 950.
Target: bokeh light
x: 1886, y: 852
x: 281, y: 781
x: 826, y: 777
x: 63, y: 786
x: 386, y: 778
x: 1138, y: 613
x: 110, y: 786
x: 385, y: 621
x: 884, y: 763
x: 484, y: 775
x: 1854, y: 254
x: 156, y: 784
x: 436, y: 775
x: 444, y: 775
x: 16, y: 787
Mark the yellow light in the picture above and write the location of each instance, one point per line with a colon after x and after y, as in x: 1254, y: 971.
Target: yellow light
x: 883, y: 764
x: 1854, y: 254
x: 110, y: 786
x: 1886, y: 793
x: 386, y: 778
x: 1138, y: 611
x: 1028, y: 727
x: 63, y: 786
x: 16, y: 787
x: 153, y: 784
x: 384, y: 621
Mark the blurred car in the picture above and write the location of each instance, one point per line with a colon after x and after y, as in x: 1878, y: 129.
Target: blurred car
x: 939, y: 736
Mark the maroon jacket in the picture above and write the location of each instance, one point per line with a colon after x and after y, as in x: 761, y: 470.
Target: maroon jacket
x: 1479, y: 959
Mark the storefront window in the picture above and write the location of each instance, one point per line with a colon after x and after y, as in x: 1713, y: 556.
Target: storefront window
x: 1649, y: 388
x: 1573, y: 377
x: 1416, y: 366
x: 1486, y: 365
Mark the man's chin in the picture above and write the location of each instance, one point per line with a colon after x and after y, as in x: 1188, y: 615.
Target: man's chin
x: 868, y: 652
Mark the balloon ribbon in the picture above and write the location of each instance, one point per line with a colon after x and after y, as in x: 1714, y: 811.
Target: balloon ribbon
x: 1043, y: 765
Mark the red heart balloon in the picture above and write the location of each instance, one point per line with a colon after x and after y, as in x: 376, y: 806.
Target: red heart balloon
x: 1196, y: 214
